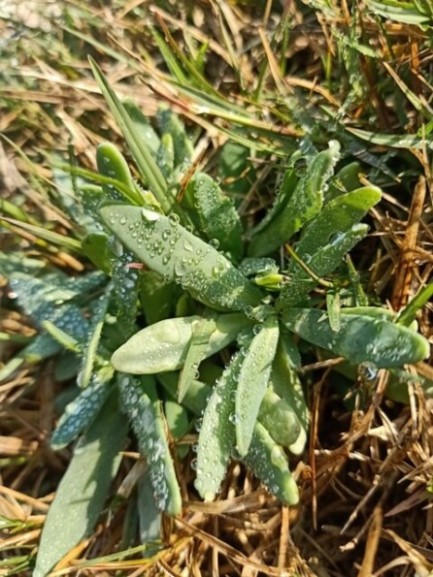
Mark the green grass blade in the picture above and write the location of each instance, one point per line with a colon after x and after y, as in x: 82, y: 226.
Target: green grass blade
x: 408, y: 314
x: 142, y: 155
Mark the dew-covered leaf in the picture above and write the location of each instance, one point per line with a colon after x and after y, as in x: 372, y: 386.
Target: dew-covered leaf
x: 346, y: 180
x: 80, y: 413
x: 214, y: 214
x: 323, y: 262
x: 253, y: 380
x: 336, y: 217
x: 217, y: 433
x: 268, y: 462
x: 285, y: 191
x: 172, y: 251
x: 141, y: 404
x: 360, y: 339
x: 164, y: 345
x: 302, y: 205
x: 83, y: 489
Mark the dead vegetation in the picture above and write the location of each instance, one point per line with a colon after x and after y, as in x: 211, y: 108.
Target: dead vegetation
x: 273, y: 72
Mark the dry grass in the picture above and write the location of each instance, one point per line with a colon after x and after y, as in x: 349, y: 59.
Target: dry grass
x: 367, y: 475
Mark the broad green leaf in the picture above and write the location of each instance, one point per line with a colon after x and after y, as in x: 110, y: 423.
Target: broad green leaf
x: 322, y: 262
x: 217, y: 432
x: 253, y: 380
x: 214, y: 214
x: 164, y: 345
x: 286, y: 383
x: 172, y: 251
x: 303, y: 204
x: 268, y: 462
x: 360, y: 339
x: 96, y: 248
x: 285, y: 191
x: 197, y: 350
x: 279, y: 419
x: 235, y: 170
x: 80, y: 413
x: 83, y: 489
x: 140, y: 402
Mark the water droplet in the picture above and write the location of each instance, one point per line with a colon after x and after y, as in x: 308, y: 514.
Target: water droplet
x: 214, y: 243
x: 194, y: 464
x: 149, y: 215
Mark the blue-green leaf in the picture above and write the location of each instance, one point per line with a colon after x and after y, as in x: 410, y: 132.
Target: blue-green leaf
x: 361, y: 338
x: 83, y: 489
